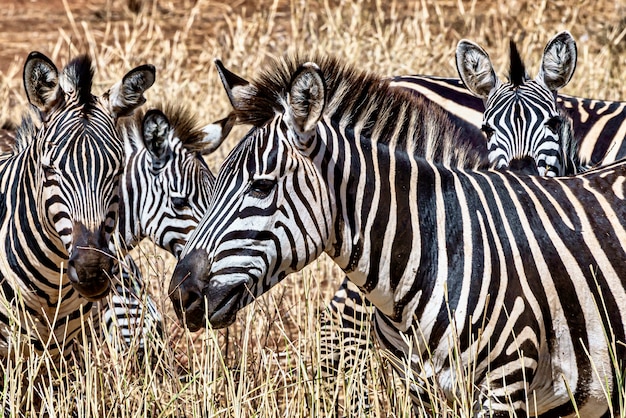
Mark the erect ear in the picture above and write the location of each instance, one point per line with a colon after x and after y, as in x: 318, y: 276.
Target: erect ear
x: 216, y: 132
x: 475, y: 69
x: 157, y: 135
x: 307, y: 97
x: 127, y: 95
x: 236, y: 87
x: 41, y: 82
x: 558, y: 62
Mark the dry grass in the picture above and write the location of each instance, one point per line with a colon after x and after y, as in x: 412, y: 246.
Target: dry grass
x: 264, y: 365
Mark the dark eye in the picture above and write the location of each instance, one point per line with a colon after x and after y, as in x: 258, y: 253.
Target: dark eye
x: 261, y: 188
x: 488, y: 130
x: 49, y: 171
x: 180, y: 203
x: 554, y: 124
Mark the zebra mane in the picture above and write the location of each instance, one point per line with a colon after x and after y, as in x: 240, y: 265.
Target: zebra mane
x: 78, y: 76
x: 14, y: 140
x: 517, y: 70
x: 182, y: 120
x: 357, y: 96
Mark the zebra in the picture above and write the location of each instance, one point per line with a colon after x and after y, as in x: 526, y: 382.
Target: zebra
x: 521, y: 120
x: 60, y: 202
x: 327, y: 170
x: 525, y: 132
x: 599, y: 126
x: 164, y: 193
x: 349, y: 312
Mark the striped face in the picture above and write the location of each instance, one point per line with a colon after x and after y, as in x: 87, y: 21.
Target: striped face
x: 256, y: 231
x: 180, y: 198
x: 78, y: 159
x: 167, y: 183
x: 81, y: 165
x: 525, y: 133
x: 524, y: 129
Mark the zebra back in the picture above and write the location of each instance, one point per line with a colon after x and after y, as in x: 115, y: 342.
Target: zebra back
x: 599, y: 126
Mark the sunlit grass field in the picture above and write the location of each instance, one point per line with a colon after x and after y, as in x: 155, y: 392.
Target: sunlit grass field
x: 266, y: 364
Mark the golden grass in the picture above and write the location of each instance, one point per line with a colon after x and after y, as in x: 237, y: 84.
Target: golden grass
x: 265, y: 364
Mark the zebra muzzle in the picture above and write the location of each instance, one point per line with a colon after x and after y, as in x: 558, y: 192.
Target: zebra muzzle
x: 90, y: 264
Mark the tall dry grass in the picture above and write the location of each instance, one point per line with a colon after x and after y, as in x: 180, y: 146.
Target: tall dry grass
x: 265, y: 364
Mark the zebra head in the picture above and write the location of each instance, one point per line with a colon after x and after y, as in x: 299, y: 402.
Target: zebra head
x: 79, y: 158
x: 244, y: 245
x: 524, y: 129
x: 167, y: 182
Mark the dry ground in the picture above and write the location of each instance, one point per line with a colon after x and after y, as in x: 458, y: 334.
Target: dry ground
x: 263, y: 372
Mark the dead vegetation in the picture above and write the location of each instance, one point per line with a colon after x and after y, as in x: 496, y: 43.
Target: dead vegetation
x: 264, y: 365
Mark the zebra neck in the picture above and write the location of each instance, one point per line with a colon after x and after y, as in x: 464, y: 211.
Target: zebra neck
x: 387, y: 234
x: 33, y: 250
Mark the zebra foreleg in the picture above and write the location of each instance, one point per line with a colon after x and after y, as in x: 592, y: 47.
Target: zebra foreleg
x: 344, y: 343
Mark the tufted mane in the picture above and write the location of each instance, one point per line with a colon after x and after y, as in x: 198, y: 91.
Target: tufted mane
x: 517, y: 70
x: 355, y: 96
x: 79, y: 74
x: 181, y: 119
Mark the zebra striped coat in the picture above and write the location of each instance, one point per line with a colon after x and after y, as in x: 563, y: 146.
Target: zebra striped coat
x: 59, y: 203
x: 164, y: 193
x: 523, y: 275
x: 599, y: 126
x: 523, y: 127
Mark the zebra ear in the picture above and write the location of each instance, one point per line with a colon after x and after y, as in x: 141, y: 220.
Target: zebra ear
x: 236, y: 87
x: 157, y: 135
x: 475, y: 69
x: 558, y: 62
x: 307, y: 97
x: 127, y: 95
x: 41, y: 82
x: 216, y: 132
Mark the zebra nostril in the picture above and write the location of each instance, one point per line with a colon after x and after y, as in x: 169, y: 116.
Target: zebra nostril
x: 192, y: 297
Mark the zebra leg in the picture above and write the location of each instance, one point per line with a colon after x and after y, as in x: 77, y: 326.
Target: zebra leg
x: 344, y: 335
x: 129, y: 317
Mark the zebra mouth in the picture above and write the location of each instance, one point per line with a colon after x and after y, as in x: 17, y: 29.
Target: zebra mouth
x: 226, y: 312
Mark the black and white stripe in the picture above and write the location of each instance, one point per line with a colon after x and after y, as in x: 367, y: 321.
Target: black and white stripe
x: 60, y: 202
x: 165, y: 192
x: 504, y: 263
x: 521, y: 120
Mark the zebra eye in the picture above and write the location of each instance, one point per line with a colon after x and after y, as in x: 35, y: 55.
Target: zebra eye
x: 554, y: 124
x: 49, y: 171
x: 488, y: 130
x: 261, y: 188
x: 180, y: 203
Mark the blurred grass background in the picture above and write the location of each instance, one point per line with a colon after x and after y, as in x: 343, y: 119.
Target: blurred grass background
x: 264, y: 365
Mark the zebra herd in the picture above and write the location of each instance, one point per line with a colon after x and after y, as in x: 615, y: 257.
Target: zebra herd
x: 448, y: 231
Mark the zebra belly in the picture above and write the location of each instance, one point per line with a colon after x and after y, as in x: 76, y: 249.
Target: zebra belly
x: 549, y: 389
